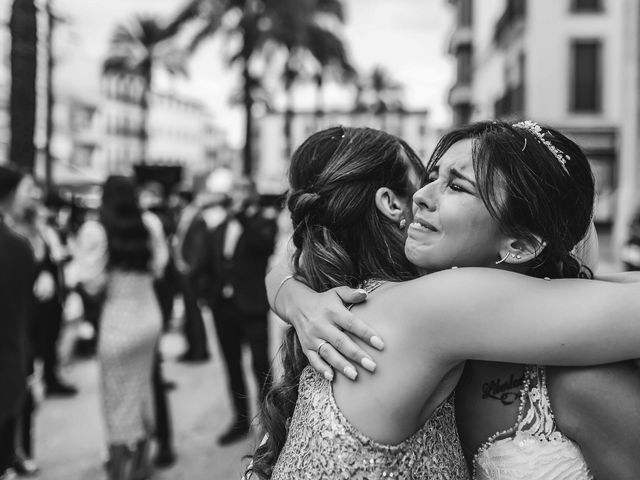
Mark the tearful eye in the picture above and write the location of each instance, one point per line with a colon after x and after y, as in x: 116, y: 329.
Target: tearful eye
x: 456, y: 188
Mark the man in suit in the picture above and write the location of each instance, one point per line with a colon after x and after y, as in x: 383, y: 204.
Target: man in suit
x: 17, y: 276
x: 238, y: 253
x: 188, y: 250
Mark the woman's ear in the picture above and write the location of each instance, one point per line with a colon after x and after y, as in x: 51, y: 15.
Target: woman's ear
x: 518, y: 251
x: 390, y: 204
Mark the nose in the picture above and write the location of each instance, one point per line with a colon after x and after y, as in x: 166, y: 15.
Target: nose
x: 425, y: 197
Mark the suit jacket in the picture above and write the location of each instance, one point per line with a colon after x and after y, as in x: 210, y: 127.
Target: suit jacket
x: 190, y: 245
x: 17, y: 276
x: 246, y: 269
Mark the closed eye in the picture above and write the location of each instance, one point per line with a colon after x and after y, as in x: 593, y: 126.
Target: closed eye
x: 457, y: 188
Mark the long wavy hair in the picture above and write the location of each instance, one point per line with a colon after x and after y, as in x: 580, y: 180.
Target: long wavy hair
x: 121, y: 217
x: 529, y: 191
x: 340, y: 238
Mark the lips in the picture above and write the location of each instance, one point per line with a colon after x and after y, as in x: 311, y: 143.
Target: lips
x: 422, y: 224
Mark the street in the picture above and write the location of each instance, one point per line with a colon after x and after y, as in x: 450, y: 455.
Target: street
x: 69, y: 436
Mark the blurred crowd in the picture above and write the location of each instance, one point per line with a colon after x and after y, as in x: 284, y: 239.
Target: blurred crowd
x: 146, y: 260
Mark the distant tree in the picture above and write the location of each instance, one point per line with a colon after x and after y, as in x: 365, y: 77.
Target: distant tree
x: 137, y: 48
x: 378, y: 92
x: 22, y: 101
x: 262, y: 26
x: 303, y: 29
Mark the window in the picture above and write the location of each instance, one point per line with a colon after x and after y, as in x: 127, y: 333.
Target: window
x: 464, y: 67
x: 585, y: 90
x: 586, y: 5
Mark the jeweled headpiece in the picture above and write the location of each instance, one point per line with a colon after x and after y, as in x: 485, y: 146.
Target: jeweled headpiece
x: 536, y: 131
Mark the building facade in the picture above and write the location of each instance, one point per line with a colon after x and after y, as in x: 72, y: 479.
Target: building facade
x: 180, y: 130
x: 570, y: 63
x: 272, y: 152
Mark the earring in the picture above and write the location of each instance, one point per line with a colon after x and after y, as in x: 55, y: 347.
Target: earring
x: 402, y: 224
x: 516, y: 256
x: 503, y: 259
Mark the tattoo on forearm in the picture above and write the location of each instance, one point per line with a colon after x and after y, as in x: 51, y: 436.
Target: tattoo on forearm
x: 507, y: 390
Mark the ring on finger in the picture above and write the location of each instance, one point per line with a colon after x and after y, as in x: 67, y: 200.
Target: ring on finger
x: 320, y: 347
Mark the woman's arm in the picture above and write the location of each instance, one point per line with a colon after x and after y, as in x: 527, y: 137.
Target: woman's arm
x: 599, y: 408
x: 492, y: 315
x: 319, y: 318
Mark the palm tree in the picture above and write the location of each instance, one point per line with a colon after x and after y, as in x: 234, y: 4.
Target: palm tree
x: 137, y: 47
x: 261, y: 25
x: 250, y: 25
x: 329, y: 51
x: 378, y: 93
x: 385, y: 89
x: 22, y: 102
x: 300, y: 26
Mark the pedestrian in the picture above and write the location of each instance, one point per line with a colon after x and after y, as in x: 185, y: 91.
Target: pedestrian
x: 235, y: 266
x: 17, y: 274
x: 188, y: 249
x: 151, y: 199
x: 130, y: 327
x: 28, y: 219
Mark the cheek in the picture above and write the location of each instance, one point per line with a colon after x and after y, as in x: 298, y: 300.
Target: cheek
x: 468, y: 226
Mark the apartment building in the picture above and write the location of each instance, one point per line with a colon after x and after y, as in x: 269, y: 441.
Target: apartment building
x: 570, y: 63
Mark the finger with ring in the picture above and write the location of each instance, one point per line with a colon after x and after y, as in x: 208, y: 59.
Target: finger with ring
x: 320, y: 348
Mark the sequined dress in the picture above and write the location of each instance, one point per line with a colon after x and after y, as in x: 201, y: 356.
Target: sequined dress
x: 534, y: 448
x: 323, y: 444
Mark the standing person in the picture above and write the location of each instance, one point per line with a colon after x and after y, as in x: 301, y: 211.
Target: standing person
x: 237, y: 260
x: 86, y: 272
x: 188, y: 250
x: 152, y: 198
x: 152, y: 203
x: 130, y: 327
x: 17, y: 274
x: 49, y: 287
x: 495, y: 196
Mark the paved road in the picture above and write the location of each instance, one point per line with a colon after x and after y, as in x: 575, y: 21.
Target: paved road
x: 69, y: 432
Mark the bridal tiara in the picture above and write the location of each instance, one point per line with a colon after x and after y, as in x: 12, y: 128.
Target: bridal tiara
x: 536, y: 130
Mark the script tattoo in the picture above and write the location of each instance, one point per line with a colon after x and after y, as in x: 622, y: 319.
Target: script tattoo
x: 501, y: 389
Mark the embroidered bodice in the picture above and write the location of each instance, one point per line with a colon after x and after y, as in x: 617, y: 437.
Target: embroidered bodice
x: 322, y: 444
x: 534, y: 448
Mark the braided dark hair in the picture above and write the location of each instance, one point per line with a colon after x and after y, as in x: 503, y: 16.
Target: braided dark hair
x: 340, y: 238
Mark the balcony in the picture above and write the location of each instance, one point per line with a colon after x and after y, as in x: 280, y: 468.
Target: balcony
x: 460, y: 94
x: 511, y: 104
x: 511, y: 23
x: 461, y: 37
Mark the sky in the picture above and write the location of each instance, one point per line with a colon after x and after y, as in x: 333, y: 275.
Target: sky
x: 407, y: 37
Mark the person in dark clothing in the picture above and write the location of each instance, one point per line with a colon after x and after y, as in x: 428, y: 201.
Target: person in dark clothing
x: 151, y: 199
x: 188, y: 249
x: 49, y: 288
x: 17, y: 274
x: 235, y: 266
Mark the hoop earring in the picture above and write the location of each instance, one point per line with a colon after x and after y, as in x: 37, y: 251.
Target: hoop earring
x: 503, y: 259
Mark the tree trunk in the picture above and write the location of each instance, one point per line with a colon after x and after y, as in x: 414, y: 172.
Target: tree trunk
x: 319, y: 113
x: 22, y: 102
x: 48, y: 159
x: 145, y: 101
x: 290, y: 75
x: 247, y: 163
